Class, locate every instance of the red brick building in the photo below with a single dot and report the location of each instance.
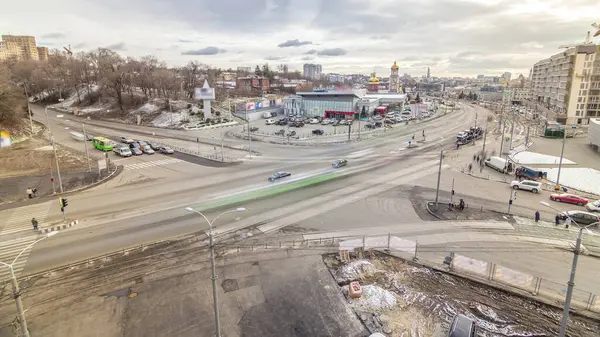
(253, 83)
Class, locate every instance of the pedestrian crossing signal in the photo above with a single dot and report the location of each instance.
(63, 203)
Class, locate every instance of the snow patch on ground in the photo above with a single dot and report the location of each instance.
(168, 119)
(580, 178)
(527, 157)
(354, 270)
(374, 298)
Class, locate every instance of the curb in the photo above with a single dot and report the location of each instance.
(112, 175)
(58, 227)
(430, 211)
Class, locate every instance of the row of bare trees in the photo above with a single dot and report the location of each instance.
(104, 72)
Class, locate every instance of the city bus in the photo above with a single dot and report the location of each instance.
(102, 144)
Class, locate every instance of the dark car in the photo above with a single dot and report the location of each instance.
(153, 146)
(339, 163)
(166, 150)
(253, 129)
(297, 124)
(580, 217)
(462, 326)
(291, 133)
(136, 151)
(318, 132)
(281, 132)
(89, 137)
(135, 145)
(279, 175)
(282, 121)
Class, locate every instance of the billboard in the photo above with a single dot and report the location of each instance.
(266, 103)
(258, 105)
(204, 93)
(4, 138)
(249, 106)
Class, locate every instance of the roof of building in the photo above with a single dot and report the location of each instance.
(328, 93)
(395, 66)
(385, 96)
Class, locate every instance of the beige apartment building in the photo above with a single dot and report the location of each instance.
(568, 83)
(20, 47)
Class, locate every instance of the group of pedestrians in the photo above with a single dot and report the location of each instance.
(478, 159)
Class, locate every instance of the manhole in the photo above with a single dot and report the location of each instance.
(229, 285)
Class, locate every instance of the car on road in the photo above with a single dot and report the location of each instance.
(147, 150)
(339, 163)
(270, 122)
(281, 132)
(153, 146)
(279, 175)
(580, 217)
(291, 133)
(318, 132)
(166, 150)
(527, 185)
(593, 206)
(569, 198)
(122, 150)
(462, 326)
(253, 129)
(127, 140)
(136, 151)
(89, 137)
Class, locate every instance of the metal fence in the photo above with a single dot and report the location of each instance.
(214, 156)
(481, 271)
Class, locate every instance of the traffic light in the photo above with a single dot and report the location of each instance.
(63, 202)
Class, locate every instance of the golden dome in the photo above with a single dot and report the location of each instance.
(395, 66)
(373, 79)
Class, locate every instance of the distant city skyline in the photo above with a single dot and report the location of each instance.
(453, 38)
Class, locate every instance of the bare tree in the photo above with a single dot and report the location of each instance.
(111, 68)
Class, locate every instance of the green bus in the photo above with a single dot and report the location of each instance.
(102, 144)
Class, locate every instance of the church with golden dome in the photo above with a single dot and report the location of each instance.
(394, 79)
(373, 84)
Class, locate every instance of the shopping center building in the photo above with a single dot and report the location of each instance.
(330, 104)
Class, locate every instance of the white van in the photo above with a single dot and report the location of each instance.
(497, 163)
(122, 151)
(77, 135)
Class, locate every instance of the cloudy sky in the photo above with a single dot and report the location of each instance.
(453, 37)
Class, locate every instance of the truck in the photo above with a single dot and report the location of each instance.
(529, 173)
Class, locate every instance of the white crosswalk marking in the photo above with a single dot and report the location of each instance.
(19, 219)
(147, 164)
(9, 249)
(359, 154)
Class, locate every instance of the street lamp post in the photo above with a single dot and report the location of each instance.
(15, 285)
(437, 190)
(212, 263)
(571, 283)
(562, 152)
(54, 148)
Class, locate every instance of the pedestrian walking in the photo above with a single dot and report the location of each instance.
(29, 192)
(474, 156)
(413, 138)
(34, 222)
(470, 168)
(537, 216)
(556, 220)
(457, 145)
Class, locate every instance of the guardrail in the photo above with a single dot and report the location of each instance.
(214, 157)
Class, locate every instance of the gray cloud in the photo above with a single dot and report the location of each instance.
(380, 37)
(332, 52)
(274, 58)
(311, 52)
(204, 51)
(50, 36)
(80, 45)
(294, 43)
(308, 58)
(117, 46)
(185, 41)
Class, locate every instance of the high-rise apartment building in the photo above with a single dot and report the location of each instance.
(312, 71)
(42, 53)
(506, 76)
(568, 83)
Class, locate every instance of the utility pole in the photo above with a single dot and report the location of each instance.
(54, 148)
(562, 151)
(87, 154)
(483, 150)
(437, 190)
(475, 130)
(512, 130)
(502, 138)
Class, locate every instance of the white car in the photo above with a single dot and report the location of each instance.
(527, 185)
(270, 122)
(593, 206)
(314, 121)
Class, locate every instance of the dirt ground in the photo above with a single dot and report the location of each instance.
(426, 301)
(29, 163)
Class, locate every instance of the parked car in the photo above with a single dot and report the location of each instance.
(314, 121)
(326, 121)
(136, 151)
(318, 132)
(291, 133)
(593, 206)
(462, 326)
(389, 121)
(153, 146)
(142, 144)
(282, 121)
(270, 122)
(279, 175)
(580, 217)
(127, 140)
(147, 149)
(370, 126)
(569, 198)
(527, 185)
(339, 163)
(166, 150)
(134, 145)
(297, 124)
(497, 163)
(253, 129)
(281, 132)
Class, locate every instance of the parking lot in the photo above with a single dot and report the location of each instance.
(303, 128)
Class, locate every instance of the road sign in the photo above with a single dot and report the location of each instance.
(101, 164)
